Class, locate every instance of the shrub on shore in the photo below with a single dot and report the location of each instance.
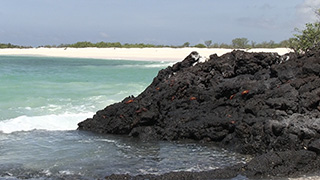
(308, 38)
(9, 45)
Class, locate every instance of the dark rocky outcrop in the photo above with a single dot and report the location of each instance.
(253, 103)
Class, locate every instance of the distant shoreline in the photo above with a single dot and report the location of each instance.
(138, 54)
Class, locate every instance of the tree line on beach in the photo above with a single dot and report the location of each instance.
(9, 45)
(296, 43)
(237, 43)
(242, 43)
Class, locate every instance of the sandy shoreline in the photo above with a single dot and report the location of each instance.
(141, 54)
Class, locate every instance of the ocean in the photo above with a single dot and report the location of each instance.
(42, 99)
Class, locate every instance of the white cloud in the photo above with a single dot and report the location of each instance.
(306, 11)
(104, 35)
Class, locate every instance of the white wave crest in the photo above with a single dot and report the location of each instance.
(161, 65)
(61, 122)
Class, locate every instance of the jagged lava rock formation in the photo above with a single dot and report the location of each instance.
(253, 103)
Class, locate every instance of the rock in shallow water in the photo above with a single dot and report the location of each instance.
(253, 103)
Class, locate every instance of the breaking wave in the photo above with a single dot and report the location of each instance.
(61, 122)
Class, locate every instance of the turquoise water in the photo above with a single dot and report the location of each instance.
(34, 86)
(43, 98)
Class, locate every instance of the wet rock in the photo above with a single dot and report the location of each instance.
(285, 163)
(315, 146)
(145, 133)
(253, 103)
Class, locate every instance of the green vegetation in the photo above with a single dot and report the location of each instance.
(243, 43)
(108, 45)
(208, 43)
(237, 43)
(3, 46)
(200, 46)
(240, 43)
(186, 44)
(307, 38)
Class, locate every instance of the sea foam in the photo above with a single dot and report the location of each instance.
(61, 122)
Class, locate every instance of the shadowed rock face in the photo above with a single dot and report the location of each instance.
(250, 102)
(253, 101)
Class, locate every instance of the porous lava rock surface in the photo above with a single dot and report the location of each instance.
(261, 104)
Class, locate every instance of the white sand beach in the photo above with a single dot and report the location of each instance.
(142, 54)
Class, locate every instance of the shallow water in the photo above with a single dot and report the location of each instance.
(41, 101)
(54, 154)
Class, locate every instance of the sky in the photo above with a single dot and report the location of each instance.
(161, 22)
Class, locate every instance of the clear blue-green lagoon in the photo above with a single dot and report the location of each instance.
(43, 98)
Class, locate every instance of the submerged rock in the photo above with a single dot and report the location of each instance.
(253, 103)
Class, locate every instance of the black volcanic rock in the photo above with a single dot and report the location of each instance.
(253, 103)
